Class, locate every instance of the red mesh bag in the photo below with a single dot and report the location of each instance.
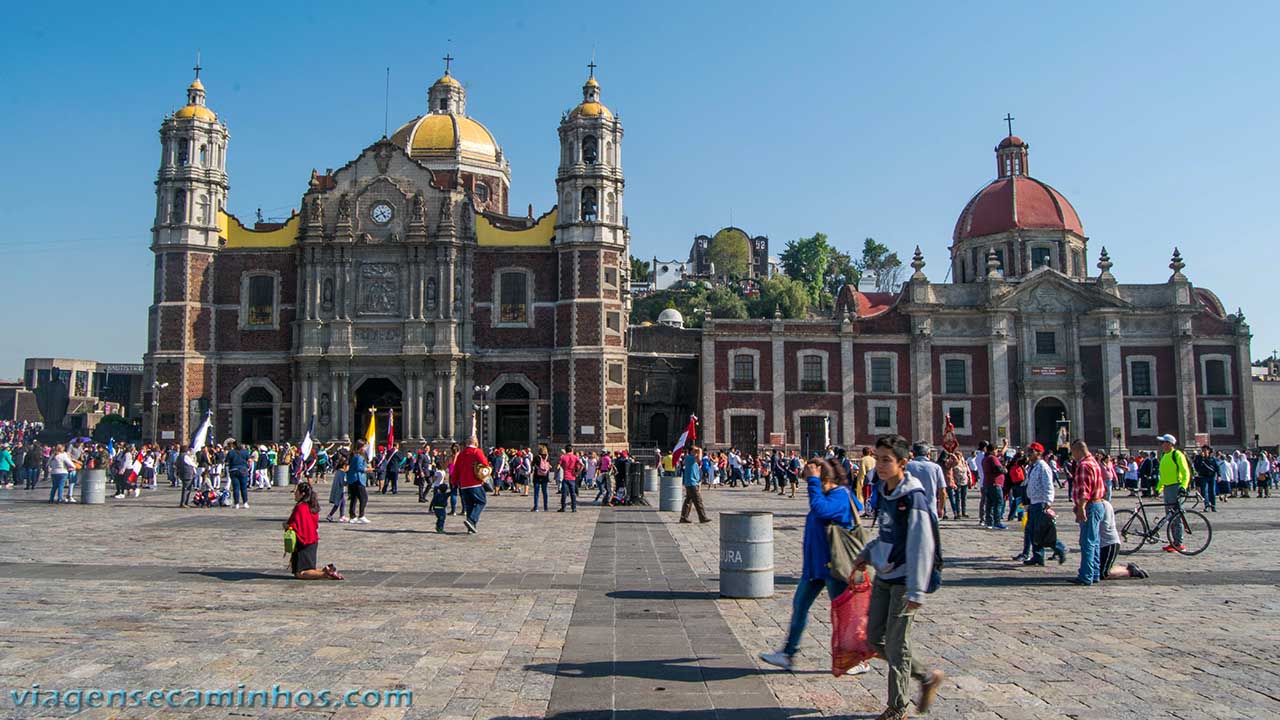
(849, 644)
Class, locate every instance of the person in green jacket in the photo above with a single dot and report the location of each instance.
(6, 467)
(1175, 475)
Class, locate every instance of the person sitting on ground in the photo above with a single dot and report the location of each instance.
(829, 502)
(305, 522)
(1109, 538)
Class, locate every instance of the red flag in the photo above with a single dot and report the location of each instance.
(949, 442)
(391, 428)
(689, 435)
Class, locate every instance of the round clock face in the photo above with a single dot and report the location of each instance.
(381, 213)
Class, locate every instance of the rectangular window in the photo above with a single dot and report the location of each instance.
(884, 417)
(1143, 416)
(881, 375)
(513, 298)
(957, 416)
(811, 375)
(613, 321)
(262, 299)
(1141, 370)
(1215, 377)
(744, 372)
(1040, 256)
(955, 380)
(615, 373)
(615, 418)
(1218, 418)
(611, 276)
(1046, 343)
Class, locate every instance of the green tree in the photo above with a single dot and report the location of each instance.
(788, 296)
(881, 264)
(725, 303)
(805, 260)
(639, 270)
(730, 251)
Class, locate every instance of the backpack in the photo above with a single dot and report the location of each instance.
(900, 508)
(544, 467)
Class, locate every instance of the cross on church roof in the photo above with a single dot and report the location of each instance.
(592, 67)
(1009, 119)
(447, 60)
(197, 67)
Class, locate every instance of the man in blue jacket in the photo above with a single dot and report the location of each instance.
(829, 502)
(691, 477)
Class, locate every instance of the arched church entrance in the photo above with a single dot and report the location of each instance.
(513, 416)
(257, 413)
(1048, 412)
(658, 430)
(377, 396)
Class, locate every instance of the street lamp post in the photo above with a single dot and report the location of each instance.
(481, 407)
(156, 387)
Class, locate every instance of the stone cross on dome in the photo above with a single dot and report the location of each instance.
(1009, 119)
(448, 59)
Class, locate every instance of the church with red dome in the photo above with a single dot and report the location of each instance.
(1032, 337)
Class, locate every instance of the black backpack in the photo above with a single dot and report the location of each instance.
(900, 509)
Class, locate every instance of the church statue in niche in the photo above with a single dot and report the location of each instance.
(344, 209)
(431, 295)
(380, 289)
(430, 411)
(326, 295)
(325, 409)
(457, 294)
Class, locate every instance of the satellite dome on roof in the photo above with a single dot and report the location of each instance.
(671, 317)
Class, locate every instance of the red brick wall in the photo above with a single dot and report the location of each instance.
(589, 323)
(588, 378)
(791, 360)
(588, 274)
(724, 370)
(979, 397)
(541, 335)
(1096, 432)
(541, 263)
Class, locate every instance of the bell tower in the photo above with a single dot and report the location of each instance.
(191, 191)
(592, 243)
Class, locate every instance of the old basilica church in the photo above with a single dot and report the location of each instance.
(402, 285)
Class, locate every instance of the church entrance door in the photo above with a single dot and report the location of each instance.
(659, 432)
(513, 417)
(1048, 412)
(378, 396)
(257, 412)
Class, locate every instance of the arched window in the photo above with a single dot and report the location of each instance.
(608, 154)
(590, 149)
(204, 156)
(204, 209)
(482, 192)
(589, 208)
(179, 206)
(612, 207)
(184, 152)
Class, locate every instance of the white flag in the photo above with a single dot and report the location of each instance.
(202, 434)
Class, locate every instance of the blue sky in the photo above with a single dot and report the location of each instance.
(1156, 119)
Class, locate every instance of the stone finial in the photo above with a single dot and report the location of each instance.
(993, 264)
(1176, 264)
(1239, 314)
(917, 264)
(1104, 265)
(777, 312)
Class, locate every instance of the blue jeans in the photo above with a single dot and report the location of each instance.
(70, 490)
(806, 592)
(603, 491)
(473, 500)
(55, 492)
(540, 486)
(239, 488)
(1209, 488)
(995, 505)
(1035, 515)
(1089, 547)
(569, 491)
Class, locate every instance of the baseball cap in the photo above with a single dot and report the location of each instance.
(1168, 438)
(1036, 446)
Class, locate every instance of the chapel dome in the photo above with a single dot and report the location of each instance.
(437, 135)
(591, 107)
(1015, 200)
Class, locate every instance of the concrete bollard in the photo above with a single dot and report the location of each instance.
(93, 486)
(671, 494)
(746, 554)
(280, 476)
(651, 480)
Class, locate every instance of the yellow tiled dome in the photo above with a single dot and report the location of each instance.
(444, 134)
(199, 112)
(591, 109)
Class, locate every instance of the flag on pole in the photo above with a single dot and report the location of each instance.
(201, 437)
(949, 442)
(308, 443)
(826, 433)
(391, 428)
(371, 437)
(689, 435)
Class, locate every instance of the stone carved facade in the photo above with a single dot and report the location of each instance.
(400, 286)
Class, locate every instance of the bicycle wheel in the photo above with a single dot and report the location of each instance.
(1196, 532)
(1133, 531)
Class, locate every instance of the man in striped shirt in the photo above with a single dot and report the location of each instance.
(1087, 492)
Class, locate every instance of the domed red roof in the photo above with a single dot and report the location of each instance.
(1016, 202)
(1011, 141)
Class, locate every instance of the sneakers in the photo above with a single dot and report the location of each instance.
(777, 659)
(929, 690)
(236, 506)
(245, 506)
(471, 527)
(1020, 557)
(999, 526)
(859, 669)
(1137, 572)
(1061, 556)
(1175, 548)
(342, 518)
(118, 496)
(891, 714)
(71, 499)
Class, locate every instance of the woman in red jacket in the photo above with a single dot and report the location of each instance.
(305, 522)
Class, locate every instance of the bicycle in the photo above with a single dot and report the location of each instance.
(1136, 530)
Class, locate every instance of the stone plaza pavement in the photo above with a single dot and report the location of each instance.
(601, 614)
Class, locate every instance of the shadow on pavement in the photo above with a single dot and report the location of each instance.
(236, 575)
(675, 670)
(759, 713)
(661, 595)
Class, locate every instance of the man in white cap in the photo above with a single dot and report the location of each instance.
(1175, 476)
